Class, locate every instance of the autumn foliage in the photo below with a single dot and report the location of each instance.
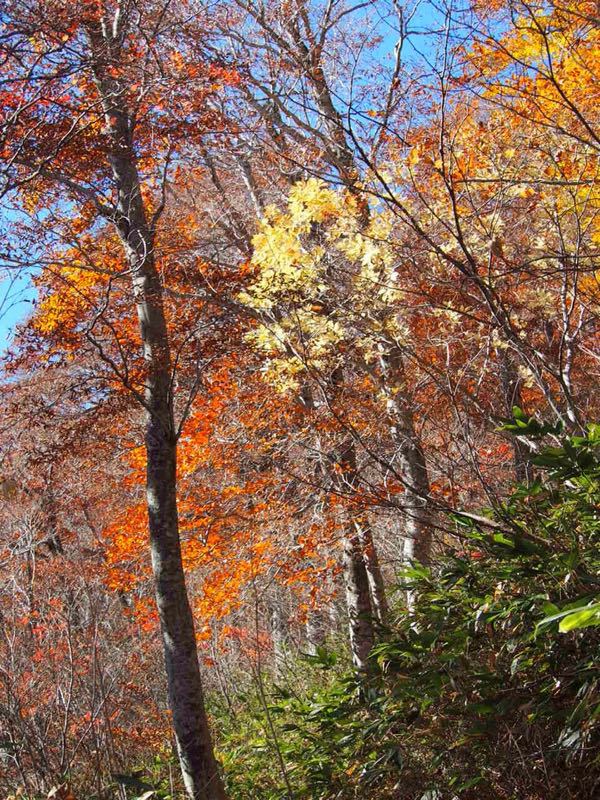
(295, 265)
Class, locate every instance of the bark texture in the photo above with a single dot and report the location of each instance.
(357, 590)
(511, 387)
(279, 634)
(315, 631)
(379, 602)
(411, 458)
(358, 602)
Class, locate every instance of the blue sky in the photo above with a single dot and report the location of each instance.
(16, 296)
(17, 292)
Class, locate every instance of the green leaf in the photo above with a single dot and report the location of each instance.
(518, 413)
(586, 618)
(500, 538)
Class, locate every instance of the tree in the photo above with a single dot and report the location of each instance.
(91, 75)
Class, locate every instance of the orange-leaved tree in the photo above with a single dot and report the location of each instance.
(89, 135)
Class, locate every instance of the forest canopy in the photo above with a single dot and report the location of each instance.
(300, 440)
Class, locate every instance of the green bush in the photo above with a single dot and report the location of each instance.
(489, 688)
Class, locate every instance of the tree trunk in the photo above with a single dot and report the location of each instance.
(279, 635)
(315, 631)
(358, 601)
(418, 522)
(198, 765)
(511, 388)
(379, 602)
(339, 467)
(356, 579)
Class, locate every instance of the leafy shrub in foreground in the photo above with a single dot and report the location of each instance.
(488, 689)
